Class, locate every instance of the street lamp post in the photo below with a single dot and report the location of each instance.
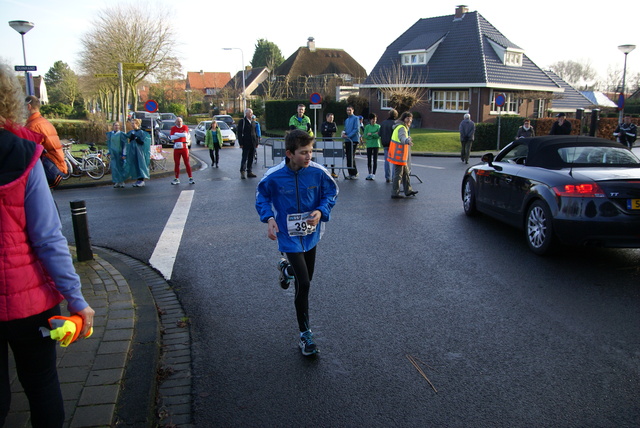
(626, 50)
(244, 89)
(23, 28)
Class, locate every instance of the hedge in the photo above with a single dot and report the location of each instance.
(487, 133)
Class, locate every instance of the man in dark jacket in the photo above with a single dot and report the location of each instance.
(328, 130)
(248, 141)
(561, 126)
(467, 133)
(626, 132)
(386, 129)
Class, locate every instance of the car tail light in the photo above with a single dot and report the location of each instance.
(583, 190)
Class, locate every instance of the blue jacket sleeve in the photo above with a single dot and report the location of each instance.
(263, 201)
(50, 245)
(329, 196)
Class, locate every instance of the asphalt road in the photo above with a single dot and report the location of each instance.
(506, 338)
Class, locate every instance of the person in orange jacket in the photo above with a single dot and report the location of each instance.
(39, 124)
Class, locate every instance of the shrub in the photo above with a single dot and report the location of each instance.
(56, 110)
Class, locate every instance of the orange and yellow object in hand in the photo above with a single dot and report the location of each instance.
(65, 329)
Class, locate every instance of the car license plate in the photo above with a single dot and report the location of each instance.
(633, 204)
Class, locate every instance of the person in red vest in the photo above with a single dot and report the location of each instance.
(37, 269)
(400, 156)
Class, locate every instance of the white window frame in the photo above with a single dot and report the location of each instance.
(513, 58)
(450, 101)
(414, 57)
(511, 105)
(384, 101)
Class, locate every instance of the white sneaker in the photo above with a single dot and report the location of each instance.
(139, 183)
(175, 181)
(191, 180)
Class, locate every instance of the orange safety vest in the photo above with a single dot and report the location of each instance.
(398, 153)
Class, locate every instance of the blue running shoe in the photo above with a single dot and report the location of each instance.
(285, 278)
(307, 345)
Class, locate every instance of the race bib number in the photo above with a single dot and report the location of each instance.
(177, 145)
(297, 224)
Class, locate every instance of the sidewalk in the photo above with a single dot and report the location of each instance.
(135, 370)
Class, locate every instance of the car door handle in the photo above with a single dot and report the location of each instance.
(508, 179)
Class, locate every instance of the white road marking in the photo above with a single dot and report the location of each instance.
(164, 255)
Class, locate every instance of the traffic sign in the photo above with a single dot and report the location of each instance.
(315, 106)
(106, 75)
(500, 100)
(26, 68)
(133, 66)
(315, 98)
(151, 106)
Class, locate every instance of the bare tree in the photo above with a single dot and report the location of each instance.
(128, 33)
(578, 73)
(613, 79)
(399, 84)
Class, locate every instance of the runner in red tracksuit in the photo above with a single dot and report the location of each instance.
(179, 135)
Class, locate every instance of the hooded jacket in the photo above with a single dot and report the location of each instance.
(36, 270)
(283, 191)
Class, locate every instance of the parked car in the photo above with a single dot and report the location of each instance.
(168, 116)
(165, 133)
(149, 122)
(228, 136)
(228, 120)
(560, 189)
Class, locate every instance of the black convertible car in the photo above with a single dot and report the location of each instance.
(570, 189)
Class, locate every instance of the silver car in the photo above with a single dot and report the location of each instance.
(228, 136)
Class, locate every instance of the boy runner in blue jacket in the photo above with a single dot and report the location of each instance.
(295, 198)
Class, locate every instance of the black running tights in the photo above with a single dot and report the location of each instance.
(303, 265)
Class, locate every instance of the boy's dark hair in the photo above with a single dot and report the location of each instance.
(372, 116)
(296, 139)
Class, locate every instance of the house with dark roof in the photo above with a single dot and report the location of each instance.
(310, 69)
(458, 64)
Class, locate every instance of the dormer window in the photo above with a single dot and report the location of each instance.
(414, 58)
(511, 57)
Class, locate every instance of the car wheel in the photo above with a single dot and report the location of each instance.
(469, 198)
(539, 228)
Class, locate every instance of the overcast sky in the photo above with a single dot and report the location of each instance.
(548, 31)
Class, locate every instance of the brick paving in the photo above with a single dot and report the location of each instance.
(135, 307)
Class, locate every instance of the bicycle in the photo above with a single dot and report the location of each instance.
(90, 163)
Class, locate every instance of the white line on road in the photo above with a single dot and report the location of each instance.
(164, 255)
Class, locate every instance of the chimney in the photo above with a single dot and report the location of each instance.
(460, 11)
(311, 44)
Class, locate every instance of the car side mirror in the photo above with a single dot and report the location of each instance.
(488, 158)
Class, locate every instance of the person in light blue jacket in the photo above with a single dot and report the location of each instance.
(117, 145)
(295, 199)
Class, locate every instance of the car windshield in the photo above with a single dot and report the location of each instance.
(598, 156)
(222, 125)
(167, 125)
